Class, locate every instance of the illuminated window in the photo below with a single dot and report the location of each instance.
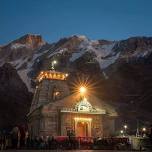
(56, 94)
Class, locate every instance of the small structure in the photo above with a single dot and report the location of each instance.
(57, 112)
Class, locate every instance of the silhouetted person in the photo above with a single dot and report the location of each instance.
(49, 142)
(15, 137)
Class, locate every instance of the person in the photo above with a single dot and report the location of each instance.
(35, 142)
(41, 142)
(28, 142)
(150, 135)
(5, 141)
(15, 137)
(2, 140)
(22, 136)
(49, 141)
(53, 143)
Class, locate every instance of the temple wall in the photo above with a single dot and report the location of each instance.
(34, 127)
(45, 90)
(43, 93)
(46, 118)
(55, 123)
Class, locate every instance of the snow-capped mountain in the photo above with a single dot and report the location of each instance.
(117, 64)
(30, 51)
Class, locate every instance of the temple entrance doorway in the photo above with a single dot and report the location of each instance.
(83, 127)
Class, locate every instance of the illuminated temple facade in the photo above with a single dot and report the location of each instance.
(57, 112)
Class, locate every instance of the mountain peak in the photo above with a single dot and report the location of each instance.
(79, 37)
(32, 40)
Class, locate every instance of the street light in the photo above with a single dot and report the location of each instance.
(144, 131)
(122, 132)
(125, 127)
(53, 64)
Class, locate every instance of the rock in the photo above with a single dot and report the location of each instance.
(14, 97)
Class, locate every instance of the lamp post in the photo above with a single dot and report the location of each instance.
(53, 63)
(125, 127)
(144, 132)
(122, 133)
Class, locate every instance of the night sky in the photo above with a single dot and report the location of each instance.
(54, 19)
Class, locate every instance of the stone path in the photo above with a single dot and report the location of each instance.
(66, 151)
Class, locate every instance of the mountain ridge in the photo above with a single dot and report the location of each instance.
(116, 66)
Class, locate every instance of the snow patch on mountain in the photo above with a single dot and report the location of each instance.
(19, 46)
(82, 37)
(38, 54)
(104, 50)
(76, 55)
(60, 51)
(104, 63)
(18, 63)
(25, 78)
(105, 55)
(141, 54)
(101, 51)
(83, 47)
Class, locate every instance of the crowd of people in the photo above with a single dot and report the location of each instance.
(15, 140)
(18, 138)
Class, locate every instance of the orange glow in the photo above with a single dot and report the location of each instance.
(82, 122)
(52, 75)
(83, 90)
(57, 93)
(82, 119)
(83, 81)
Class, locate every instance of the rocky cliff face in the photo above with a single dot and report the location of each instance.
(21, 48)
(14, 97)
(121, 70)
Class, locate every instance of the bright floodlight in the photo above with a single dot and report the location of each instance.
(54, 62)
(83, 90)
(121, 131)
(144, 129)
(125, 126)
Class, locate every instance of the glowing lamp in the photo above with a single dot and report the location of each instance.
(121, 131)
(82, 122)
(82, 90)
(82, 119)
(54, 62)
(143, 129)
(125, 126)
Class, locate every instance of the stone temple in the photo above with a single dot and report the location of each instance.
(55, 111)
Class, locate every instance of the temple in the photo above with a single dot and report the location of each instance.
(55, 111)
